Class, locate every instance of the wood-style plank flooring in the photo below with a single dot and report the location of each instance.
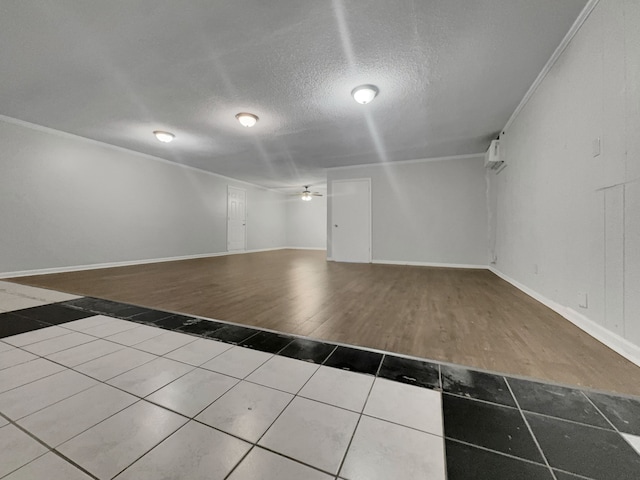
(468, 317)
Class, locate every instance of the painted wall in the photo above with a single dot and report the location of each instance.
(425, 212)
(307, 222)
(565, 222)
(67, 201)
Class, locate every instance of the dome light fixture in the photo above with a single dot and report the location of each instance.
(364, 93)
(247, 119)
(164, 137)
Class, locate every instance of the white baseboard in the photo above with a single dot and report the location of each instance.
(430, 264)
(612, 340)
(305, 248)
(96, 266)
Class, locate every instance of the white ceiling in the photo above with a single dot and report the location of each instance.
(450, 73)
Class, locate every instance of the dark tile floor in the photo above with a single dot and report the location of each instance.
(411, 372)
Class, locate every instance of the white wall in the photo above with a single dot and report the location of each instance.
(67, 201)
(425, 212)
(307, 222)
(557, 209)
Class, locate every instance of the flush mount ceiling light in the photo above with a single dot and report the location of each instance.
(247, 119)
(364, 93)
(164, 137)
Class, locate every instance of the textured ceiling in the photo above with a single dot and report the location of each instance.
(450, 73)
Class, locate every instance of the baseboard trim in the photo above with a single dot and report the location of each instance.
(615, 342)
(96, 266)
(431, 264)
(305, 248)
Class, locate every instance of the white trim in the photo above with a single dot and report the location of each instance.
(584, 15)
(615, 342)
(404, 162)
(305, 248)
(60, 133)
(430, 264)
(96, 266)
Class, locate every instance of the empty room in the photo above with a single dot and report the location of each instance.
(331, 240)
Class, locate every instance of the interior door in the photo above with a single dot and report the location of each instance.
(236, 219)
(351, 220)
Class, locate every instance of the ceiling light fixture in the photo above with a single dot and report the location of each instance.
(164, 137)
(364, 93)
(306, 196)
(247, 119)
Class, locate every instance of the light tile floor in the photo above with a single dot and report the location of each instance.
(134, 414)
(102, 397)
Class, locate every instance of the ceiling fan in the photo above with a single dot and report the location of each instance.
(306, 194)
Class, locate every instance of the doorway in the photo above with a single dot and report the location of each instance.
(236, 219)
(351, 220)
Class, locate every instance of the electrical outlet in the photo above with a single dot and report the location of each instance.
(596, 147)
(582, 300)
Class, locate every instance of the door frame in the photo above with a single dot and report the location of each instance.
(363, 179)
(244, 246)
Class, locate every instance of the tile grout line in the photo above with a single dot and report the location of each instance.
(329, 356)
(153, 447)
(600, 412)
(577, 475)
(255, 444)
(297, 395)
(179, 413)
(138, 400)
(104, 382)
(68, 332)
(280, 454)
(544, 457)
(545, 415)
(486, 449)
(57, 401)
(609, 421)
(480, 400)
(444, 443)
(242, 459)
(44, 444)
(364, 406)
(32, 381)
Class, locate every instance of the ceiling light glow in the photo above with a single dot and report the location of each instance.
(306, 196)
(247, 119)
(364, 93)
(164, 137)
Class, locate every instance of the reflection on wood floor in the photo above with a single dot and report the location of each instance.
(468, 317)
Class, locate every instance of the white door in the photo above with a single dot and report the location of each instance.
(236, 219)
(351, 220)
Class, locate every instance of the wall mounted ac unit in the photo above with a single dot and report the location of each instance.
(492, 158)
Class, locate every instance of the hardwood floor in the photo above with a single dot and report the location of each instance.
(468, 317)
